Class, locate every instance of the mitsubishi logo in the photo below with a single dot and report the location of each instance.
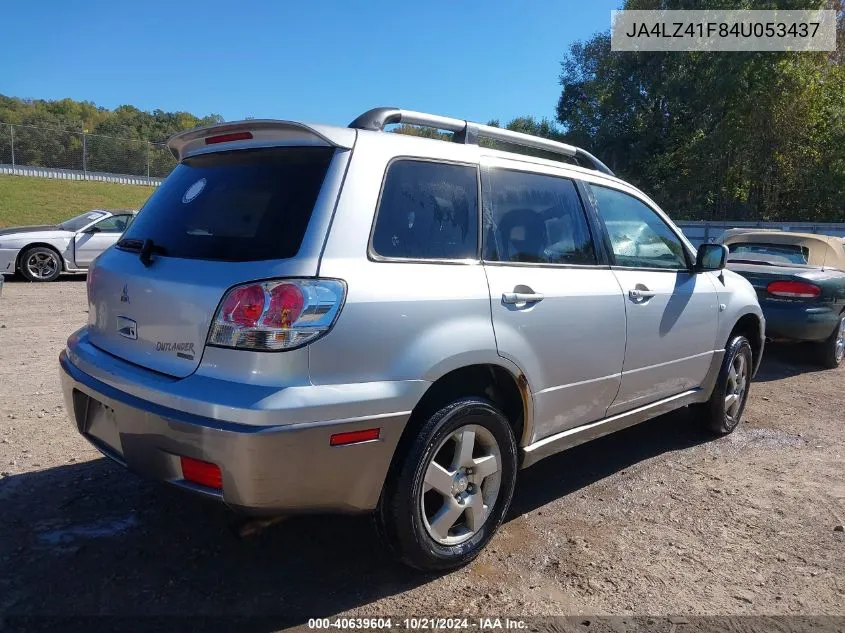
(124, 297)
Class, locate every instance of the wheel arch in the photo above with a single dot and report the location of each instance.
(23, 250)
(500, 382)
(750, 325)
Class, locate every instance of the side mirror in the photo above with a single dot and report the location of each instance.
(92, 229)
(711, 257)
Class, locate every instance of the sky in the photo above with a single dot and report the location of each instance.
(320, 61)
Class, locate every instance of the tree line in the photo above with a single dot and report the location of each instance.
(50, 134)
(741, 136)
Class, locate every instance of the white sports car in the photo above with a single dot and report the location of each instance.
(42, 253)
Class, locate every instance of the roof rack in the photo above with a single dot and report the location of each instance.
(469, 132)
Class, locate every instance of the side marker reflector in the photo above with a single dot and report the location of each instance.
(203, 473)
(354, 437)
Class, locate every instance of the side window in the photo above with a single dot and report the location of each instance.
(638, 236)
(428, 211)
(534, 218)
(114, 224)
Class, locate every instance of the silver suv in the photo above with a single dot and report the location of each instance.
(306, 318)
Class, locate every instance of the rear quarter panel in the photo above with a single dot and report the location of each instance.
(402, 320)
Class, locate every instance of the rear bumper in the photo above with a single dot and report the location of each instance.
(8, 257)
(799, 322)
(266, 470)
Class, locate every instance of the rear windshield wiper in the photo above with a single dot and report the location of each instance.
(145, 249)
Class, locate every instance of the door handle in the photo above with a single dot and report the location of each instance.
(522, 297)
(641, 293)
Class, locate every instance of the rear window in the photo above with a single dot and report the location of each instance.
(245, 205)
(775, 253)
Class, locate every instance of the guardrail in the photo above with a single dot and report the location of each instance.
(80, 155)
(77, 174)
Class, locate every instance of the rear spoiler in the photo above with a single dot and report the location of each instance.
(258, 133)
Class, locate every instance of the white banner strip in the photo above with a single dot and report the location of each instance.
(723, 30)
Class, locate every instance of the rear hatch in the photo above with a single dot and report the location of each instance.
(220, 219)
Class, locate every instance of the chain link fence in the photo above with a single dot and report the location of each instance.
(51, 152)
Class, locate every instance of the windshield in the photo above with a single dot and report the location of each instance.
(775, 253)
(74, 224)
(245, 205)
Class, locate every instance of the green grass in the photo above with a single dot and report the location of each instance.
(27, 200)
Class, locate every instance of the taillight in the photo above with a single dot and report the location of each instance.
(89, 280)
(277, 315)
(244, 306)
(794, 290)
(286, 305)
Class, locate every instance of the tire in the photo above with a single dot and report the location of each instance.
(40, 263)
(832, 351)
(721, 414)
(436, 531)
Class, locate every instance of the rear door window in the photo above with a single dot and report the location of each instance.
(427, 210)
(244, 205)
(534, 218)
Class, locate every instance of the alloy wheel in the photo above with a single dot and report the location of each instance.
(737, 386)
(839, 346)
(42, 265)
(461, 485)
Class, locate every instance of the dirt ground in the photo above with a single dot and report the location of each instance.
(659, 519)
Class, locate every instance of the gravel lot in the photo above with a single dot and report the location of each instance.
(659, 519)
